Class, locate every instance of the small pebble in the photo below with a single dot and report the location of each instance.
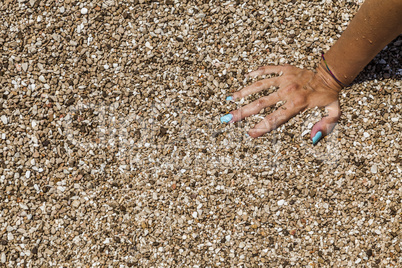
(281, 202)
(4, 119)
(76, 203)
(374, 169)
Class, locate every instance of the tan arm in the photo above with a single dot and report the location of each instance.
(376, 24)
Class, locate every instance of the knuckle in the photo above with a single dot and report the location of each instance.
(258, 84)
(238, 95)
(299, 100)
(337, 114)
(260, 103)
(291, 89)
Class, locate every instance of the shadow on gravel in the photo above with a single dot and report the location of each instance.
(387, 64)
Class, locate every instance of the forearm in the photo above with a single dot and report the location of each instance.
(376, 24)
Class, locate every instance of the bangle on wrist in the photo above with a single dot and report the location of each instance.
(329, 71)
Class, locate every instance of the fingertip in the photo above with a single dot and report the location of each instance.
(317, 137)
(226, 118)
(253, 133)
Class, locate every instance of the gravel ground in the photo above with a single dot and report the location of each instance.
(112, 153)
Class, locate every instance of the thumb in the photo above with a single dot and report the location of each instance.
(327, 123)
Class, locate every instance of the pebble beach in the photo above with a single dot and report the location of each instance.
(112, 153)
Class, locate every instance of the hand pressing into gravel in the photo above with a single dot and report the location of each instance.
(299, 89)
(373, 27)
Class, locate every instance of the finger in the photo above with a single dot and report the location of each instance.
(255, 107)
(327, 123)
(257, 87)
(269, 69)
(274, 120)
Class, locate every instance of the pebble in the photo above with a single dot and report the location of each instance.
(24, 66)
(374, 169)
(4, 119)
(84, 11)
(10, 236)
(76, 203)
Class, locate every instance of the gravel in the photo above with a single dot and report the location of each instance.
(112, 153)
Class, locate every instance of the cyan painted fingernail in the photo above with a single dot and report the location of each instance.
(229, 98)
(226, 118)
(317, 137)
(247, 136)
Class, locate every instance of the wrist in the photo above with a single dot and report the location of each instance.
(327, 77)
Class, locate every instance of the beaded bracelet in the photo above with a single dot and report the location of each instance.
(339, 82)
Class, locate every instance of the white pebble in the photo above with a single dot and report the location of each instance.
(4, 119)
(42, 79)
(10, 236)
(25, 66)
(23, 206)
(106, 66)
(76, 203)
(3, 257)
(195, 214)
(366, 135)
(61, 188)
(374, 169)
(28, 174)
(34, 124)
(148, 45)
(281, 202)
(305, 132)
(84, 10)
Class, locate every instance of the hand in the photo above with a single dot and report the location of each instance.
(299, 89)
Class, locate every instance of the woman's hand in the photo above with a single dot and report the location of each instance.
(299, 89)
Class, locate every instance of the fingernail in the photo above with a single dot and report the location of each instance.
(247, 136)
(317, 137)
(229, 98)
(226, 118)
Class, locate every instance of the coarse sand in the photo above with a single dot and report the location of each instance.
(112, 153)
